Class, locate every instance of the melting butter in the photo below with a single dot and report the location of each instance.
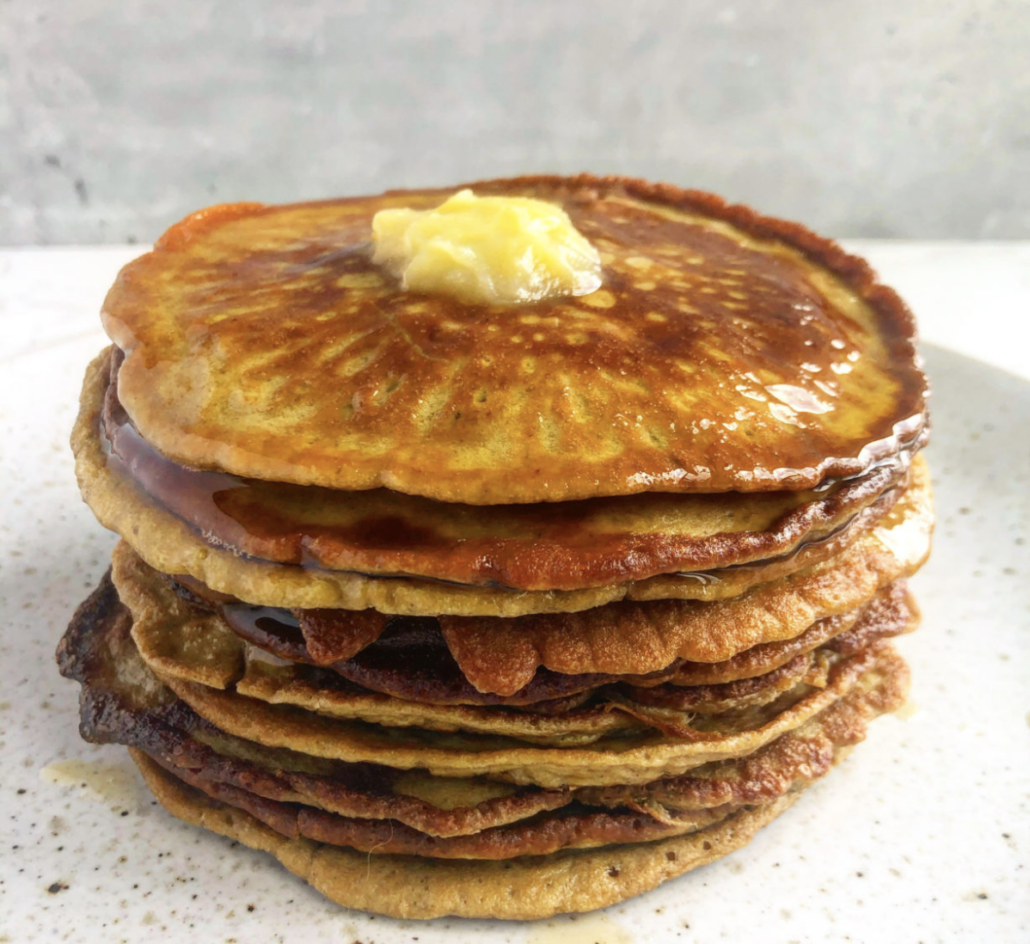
(487, 250)
(578, 929)
(115, 785)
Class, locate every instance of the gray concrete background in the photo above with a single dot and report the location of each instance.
(894, 118)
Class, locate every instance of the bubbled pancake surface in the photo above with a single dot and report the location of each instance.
(168, 543)
(724, 352)
(543, 546)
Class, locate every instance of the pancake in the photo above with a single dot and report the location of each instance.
(122, 702)
(183, 639)
(411, 659)
(564, 546)
(892, 612)
(503, 655)
(413, 887)
(610, 762)
(178, 639)
(497, 610)
(168, 544)
(572, 827)
(618, 759)
(690, 370)
(172, 544)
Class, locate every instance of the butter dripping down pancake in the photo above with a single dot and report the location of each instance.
(553, 546)
(724, 352)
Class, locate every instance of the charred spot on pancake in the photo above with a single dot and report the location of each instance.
(77, 651)
(120, 701)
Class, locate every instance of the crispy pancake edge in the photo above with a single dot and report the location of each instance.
(612, 761)
(179, 640)
(543, 834)
(409, 887)
(121, 704)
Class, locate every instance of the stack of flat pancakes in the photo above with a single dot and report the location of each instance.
(498, 610)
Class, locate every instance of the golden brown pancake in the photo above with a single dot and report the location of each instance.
(541, 548)
(413, 887)
(503, 655)
(167, 543)
(550, 546)
(724, 352)
(619, 759)
(892, 612)
(567, 828)
(497, 610)
(574, 827)
(417, 666)
(642, 637)
(181, 633)
(122, 703)
(179, 639)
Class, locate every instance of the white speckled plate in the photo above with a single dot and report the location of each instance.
(922, 835)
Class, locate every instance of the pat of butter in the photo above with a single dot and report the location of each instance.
(487, 250)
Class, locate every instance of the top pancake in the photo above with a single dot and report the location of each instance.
(724, 352)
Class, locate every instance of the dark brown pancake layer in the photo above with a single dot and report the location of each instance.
(410, 658)
(121, 702)
(364, 806)
(573, 826)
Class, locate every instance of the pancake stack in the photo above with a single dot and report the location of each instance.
(498, 610)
